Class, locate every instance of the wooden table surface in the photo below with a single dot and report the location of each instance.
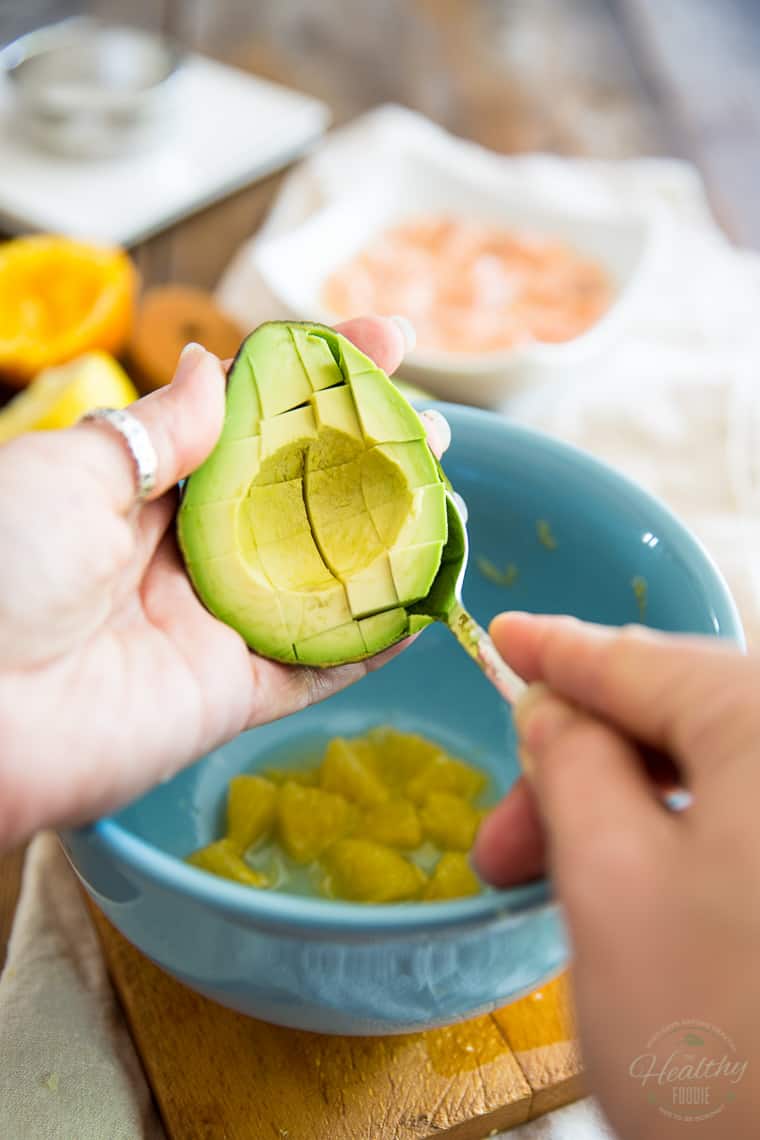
(609, 78)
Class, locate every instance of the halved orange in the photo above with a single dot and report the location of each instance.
(58, 299)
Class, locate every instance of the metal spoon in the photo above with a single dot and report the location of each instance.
(444, 603)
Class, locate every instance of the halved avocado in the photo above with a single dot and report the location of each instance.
(320, 517)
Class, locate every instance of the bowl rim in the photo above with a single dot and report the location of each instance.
(264, 908)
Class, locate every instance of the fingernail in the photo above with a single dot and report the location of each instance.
(439, 429)
(189, 358)
(407, 330)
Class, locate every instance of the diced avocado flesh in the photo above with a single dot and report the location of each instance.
(321, 513)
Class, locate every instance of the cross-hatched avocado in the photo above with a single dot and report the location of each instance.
(320, 517)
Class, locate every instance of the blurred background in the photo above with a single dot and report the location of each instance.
(173, 143)
(595, 77)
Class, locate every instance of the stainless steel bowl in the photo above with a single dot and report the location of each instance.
(91, 89)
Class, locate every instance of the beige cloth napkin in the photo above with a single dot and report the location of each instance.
(673, 403)
(68, 1069)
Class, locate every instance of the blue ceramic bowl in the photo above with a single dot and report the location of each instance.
(347, 968)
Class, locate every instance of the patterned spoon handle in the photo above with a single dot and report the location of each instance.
(476, 642)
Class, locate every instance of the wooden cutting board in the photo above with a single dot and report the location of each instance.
(217, 1075)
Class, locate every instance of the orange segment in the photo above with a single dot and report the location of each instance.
(58, 299)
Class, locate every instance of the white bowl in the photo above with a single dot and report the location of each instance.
(295, 265)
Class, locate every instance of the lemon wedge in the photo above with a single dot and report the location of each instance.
(58, 397)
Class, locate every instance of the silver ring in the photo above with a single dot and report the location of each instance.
(141, 449)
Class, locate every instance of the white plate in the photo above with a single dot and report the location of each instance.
(295, 265)
(228, 129)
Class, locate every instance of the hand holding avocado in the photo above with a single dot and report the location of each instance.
(112, 673)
